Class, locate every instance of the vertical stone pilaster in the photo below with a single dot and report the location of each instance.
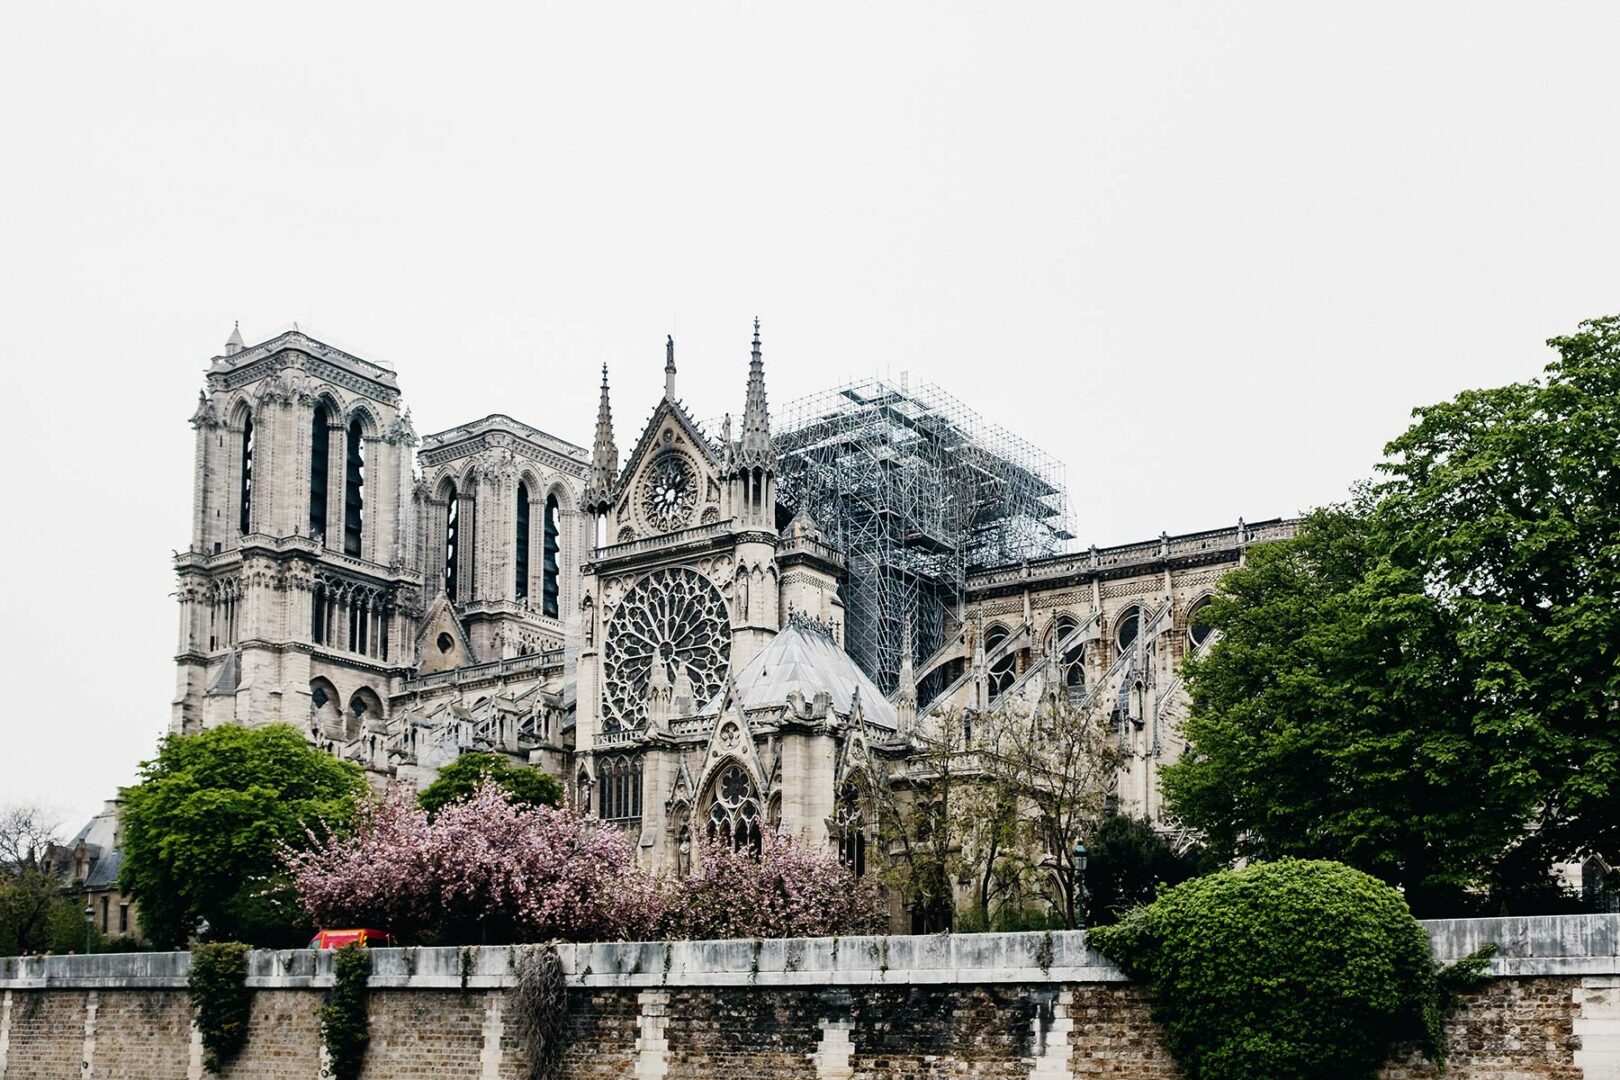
(489, 1058)
(834, 1051)
(1597, 1025)
(652, 1050)
(194, 1059)
(5, 1032)
(87, 1063)
(1050, 1037)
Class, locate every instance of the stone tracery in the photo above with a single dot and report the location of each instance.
(675, 618)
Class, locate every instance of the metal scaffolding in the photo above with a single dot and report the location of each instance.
(916, 489)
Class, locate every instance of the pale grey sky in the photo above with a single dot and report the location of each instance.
(1208, 255)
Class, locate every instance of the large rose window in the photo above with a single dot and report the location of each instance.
(675, 618)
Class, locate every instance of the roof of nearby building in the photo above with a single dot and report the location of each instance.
(803, 657)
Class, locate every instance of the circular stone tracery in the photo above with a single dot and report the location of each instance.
(676, 617)
(669, 492)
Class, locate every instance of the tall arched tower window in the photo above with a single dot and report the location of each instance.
(548, 583)
(320, 458)
(245, 491)
(452, 541)
(354, 482)
(521, 563)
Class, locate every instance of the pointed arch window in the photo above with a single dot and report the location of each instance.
(354, 483)
(245, 490)
(452, 541)
(734, 813)
(620, 780)
(320, 459)
(521, 563)
(549, 589)
(1003, 671)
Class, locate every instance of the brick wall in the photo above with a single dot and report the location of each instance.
(992, 1006)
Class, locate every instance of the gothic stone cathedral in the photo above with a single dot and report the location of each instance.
(690, 638)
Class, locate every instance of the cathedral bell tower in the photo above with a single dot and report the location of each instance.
(296, 604)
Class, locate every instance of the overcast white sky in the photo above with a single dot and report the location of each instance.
(1208, 255)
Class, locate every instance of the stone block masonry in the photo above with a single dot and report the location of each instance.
(992, 1005)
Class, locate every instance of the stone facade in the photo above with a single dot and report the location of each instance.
(660, 631)
(1020, 1005)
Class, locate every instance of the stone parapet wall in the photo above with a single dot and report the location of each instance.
(991, 1005)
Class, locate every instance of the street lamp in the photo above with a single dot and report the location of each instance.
(1077, 884)
(89, 925)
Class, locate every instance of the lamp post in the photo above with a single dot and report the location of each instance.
(89, 925)
(1077, 884)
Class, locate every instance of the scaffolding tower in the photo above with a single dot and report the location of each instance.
(916, 489)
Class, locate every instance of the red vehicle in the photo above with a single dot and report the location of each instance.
(336, 939)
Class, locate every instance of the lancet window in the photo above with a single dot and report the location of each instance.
(245, 486)
(849, 822)
(521, 561)
(320, 460)
(354, 482)
(452, 541)
(549, 586)
(1003, 671)
(619, 779)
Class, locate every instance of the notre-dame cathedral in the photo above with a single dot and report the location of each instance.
(722, 629)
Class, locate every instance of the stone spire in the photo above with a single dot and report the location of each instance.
(669, 368)
(604, 455)
(234, 344)
(905, 687)
(756, 427)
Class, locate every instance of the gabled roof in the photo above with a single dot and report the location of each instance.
(694, 432)
(805, 658)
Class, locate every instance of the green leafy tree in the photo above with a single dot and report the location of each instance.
(1510, 499)
(1422, 684)
(1291, 970)
(1334, 718)
(203, 831)
(1128, 862)
(466, 774)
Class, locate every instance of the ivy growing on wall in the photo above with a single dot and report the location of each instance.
(343, 1018)
(540, 1010)
(220, 1000)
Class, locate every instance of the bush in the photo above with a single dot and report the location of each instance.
(787, 890)
(220, 1000)
(1130, 861)
(469, 772)
(1292, 970)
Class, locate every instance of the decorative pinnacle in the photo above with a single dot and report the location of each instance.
(669, 367)
(604, 454)
(234, 343)
(756, 431)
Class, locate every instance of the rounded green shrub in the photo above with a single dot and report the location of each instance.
(1291, 970)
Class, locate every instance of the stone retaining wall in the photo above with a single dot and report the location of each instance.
(990, 1005)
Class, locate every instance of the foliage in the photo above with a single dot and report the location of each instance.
(1421, 684)
(787, 890)
(1292, 970)
(918, 818)
(31, 908)
(1053, 764)
(483, 870)
(468, 773)
(1128, 862)
(220, 1000)
(539, 1013)
(1510, 498)
(1334, 718)
(67, 926)
(27, 832)
(204, 830)
(344, 1029)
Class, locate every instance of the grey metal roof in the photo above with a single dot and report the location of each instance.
(805, 658)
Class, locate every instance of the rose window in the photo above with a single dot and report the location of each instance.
(675, 618)
(669, 492)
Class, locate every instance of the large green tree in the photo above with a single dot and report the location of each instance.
(469, 772)
(1423, 683)
(203, 830)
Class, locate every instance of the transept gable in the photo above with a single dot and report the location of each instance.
(671, 479)
(732, 742)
